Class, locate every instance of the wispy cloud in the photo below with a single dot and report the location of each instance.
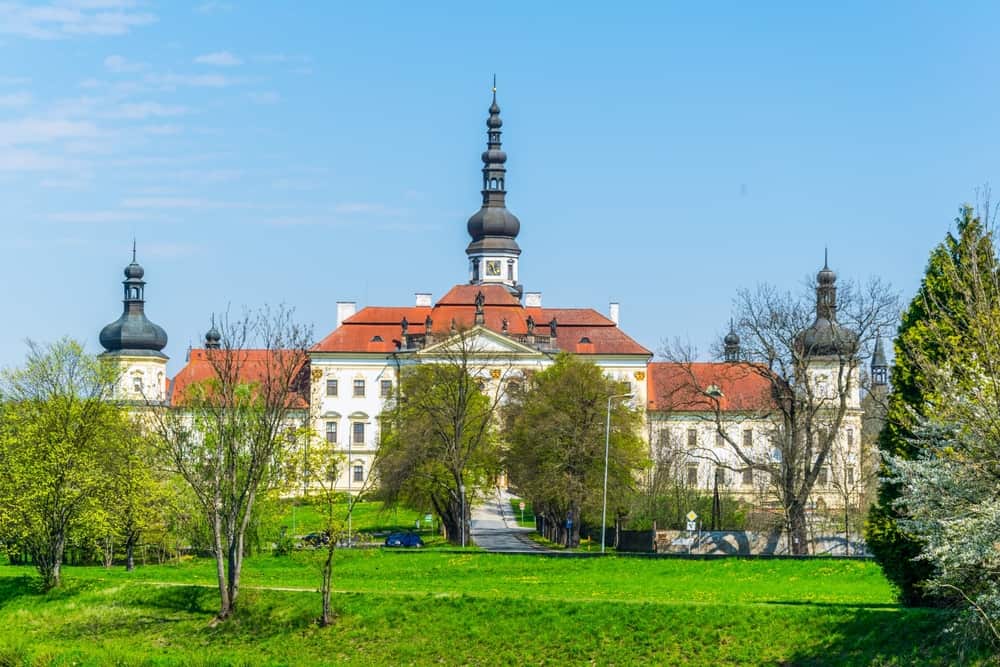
(20, 160)
(44, 130)
(180, 202)
(170, 250)
(283, 58)
(14, 80)
(59, 20)
(142, 110)
(366, 207)
(96, 216)
(214, 7)
(120, 65)
(171, 81)
(219, 59)
(265, 97)
(15, 100)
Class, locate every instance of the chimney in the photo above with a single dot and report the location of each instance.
(344, 310)
(613, 312)
(423, 299)
(532, 299)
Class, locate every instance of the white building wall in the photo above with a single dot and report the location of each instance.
(141, 379)
(345, 409)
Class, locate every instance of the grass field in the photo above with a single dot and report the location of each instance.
(446, 607)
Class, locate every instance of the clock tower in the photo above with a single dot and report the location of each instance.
(493, 252)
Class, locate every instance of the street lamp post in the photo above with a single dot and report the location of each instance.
(607, 445)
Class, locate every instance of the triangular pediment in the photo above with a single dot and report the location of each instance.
(479, 341)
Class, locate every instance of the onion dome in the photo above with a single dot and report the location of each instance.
(731, 344)
(213, 339)
(826, 337)
(133, 333)
(493, 227)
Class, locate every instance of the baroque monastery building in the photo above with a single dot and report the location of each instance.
(354, 370)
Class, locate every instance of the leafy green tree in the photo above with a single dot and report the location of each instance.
(439, 446)
(556, 442)
(137, 494)
(59, 434)
(934, 321)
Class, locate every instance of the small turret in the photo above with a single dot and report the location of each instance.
(880, 367)
(731, 344)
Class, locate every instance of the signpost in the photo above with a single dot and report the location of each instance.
(522, 511)
(692, 526)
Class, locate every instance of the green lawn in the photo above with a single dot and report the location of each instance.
(444, 607)
(369, 517)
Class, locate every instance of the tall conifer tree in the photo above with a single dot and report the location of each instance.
(895, 549)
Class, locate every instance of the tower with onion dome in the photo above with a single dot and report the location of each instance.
(493, 252)
(826, 352)
(137, 344)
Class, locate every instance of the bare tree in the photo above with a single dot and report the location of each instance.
(228, 432)
(807, 362)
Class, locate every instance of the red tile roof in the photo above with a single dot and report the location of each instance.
(680, 387)
(575, 326)
(253, 367)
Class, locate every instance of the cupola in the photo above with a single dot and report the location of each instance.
(133, 333)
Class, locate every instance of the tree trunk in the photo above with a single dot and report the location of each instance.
(48, 562)
(797, 529)
(130, 552)
(225, 603)
(327, 617)
(108, 551)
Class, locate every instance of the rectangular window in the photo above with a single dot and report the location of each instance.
(692, 471)
(331, 432)
(692, 437)
(824, 477)
(359, 388)
(720, 476)
(720, 440)
(137, 383)
(850, 476)
(748, 438)
(359, 473)
(359, 433)
(331, 387)
(386, 388)
(850, 438)
(747, 477)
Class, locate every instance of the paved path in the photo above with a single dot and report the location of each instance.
(494, 527)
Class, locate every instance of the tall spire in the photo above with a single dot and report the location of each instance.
(880, 367)
(493, 251)
(494, 158)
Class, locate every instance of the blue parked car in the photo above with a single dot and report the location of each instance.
(404, 540)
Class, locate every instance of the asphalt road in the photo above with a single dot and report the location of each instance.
(494, 528)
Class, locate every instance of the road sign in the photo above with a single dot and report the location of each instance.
(521, 505)
(691, 526)
(691, 516)
(428, 518)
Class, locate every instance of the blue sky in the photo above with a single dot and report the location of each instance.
(660, 155)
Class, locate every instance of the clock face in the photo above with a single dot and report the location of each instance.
(493, 267)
